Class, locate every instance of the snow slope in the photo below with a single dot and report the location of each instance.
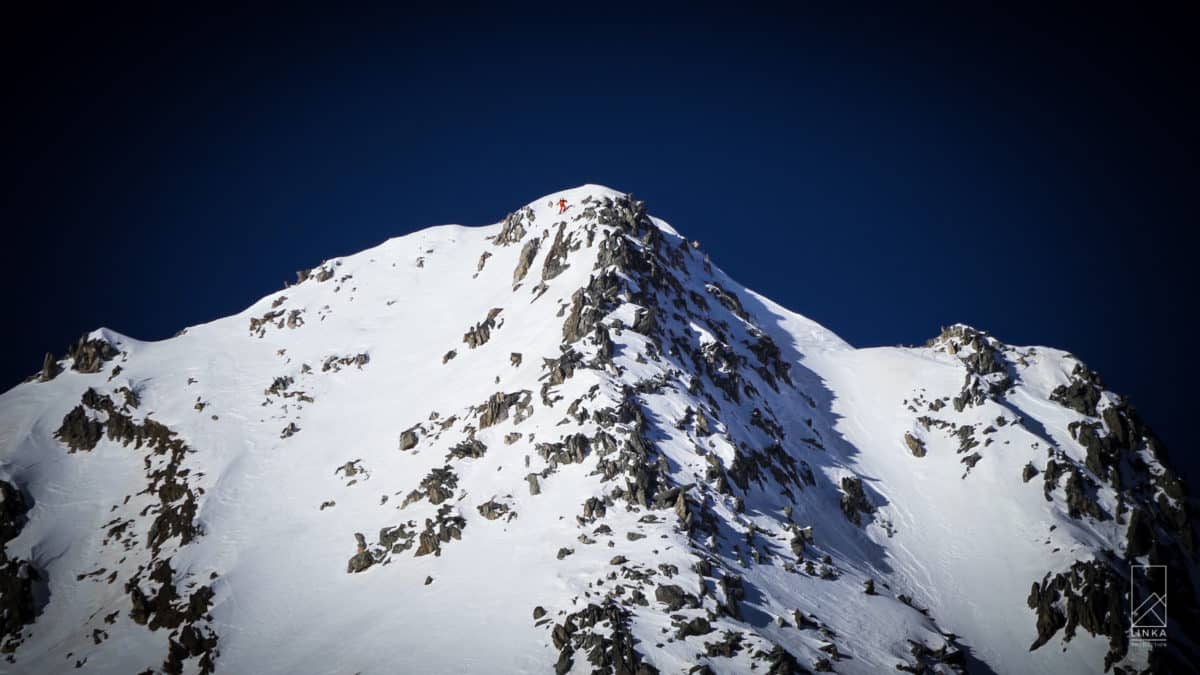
(577, 413)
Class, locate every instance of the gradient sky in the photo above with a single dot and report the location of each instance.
(883, 173)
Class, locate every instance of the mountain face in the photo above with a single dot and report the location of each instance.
(568, 442)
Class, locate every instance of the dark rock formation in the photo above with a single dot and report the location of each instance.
(481, 332)
(854, 500)
(556, 256)
(915, 445)
(362, 559)
(601, 633)
(50, 368)
(496, 409)
(1028, 472)
(514, 228)
(1083, 392)
(79, 431)
(525, 260)
(88, 355)
(1088, 595)
(409, 439)
(13, 507)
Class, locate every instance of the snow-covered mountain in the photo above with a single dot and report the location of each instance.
(569, 442)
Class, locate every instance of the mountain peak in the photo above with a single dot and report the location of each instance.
(572, 441)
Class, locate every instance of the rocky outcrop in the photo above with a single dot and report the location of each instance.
(469, 448)
(89, 355)
(1028, 472)
(513, 229)
(982, 355)
(79, 431)
(675, 598)
(556, 256)
(1089, 595)
(1082, 393)
(854, 500)
(17, 577)
(409, 438)
(445, 527)
(50, 368)
(481, 332)
(362, 559)
(321, 273)
(336, 363)
(493, 510)
(157, 604)
(17, 608)
(497, 408)
(600, 634)
(13, 507)
(525, 260)
(915, 445)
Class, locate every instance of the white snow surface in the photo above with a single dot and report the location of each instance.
(964, 546)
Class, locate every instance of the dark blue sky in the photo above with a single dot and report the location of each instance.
(883, 173)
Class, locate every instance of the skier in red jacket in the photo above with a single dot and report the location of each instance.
(562, 206)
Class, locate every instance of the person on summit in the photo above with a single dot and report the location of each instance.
(562, 206)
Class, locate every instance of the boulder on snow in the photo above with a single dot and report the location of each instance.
(50, 368)
(915, 445)
(408, 439)
(362, 559)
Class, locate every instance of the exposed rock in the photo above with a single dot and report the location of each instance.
(468, 448)
(362, 559)
(854, 500)
(1028, 472)
(697, 626)
(675, 598)
(493, 509)
(336, 363)
(915, 445)
(1080, 498)
(445, 527)
(971, 460)
(728, 646)
(481, 332)
(513, 229)
(50, 368)
(556, 256)
(408, 439)
(1088, 595)
(733, 592)
(525, 259)
(397, 539)
(1083, 392)
(562, 368)
(79, 431)
(496, 409)
(438, 485)
(13, 507)
(17, 577)
(88, 355)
